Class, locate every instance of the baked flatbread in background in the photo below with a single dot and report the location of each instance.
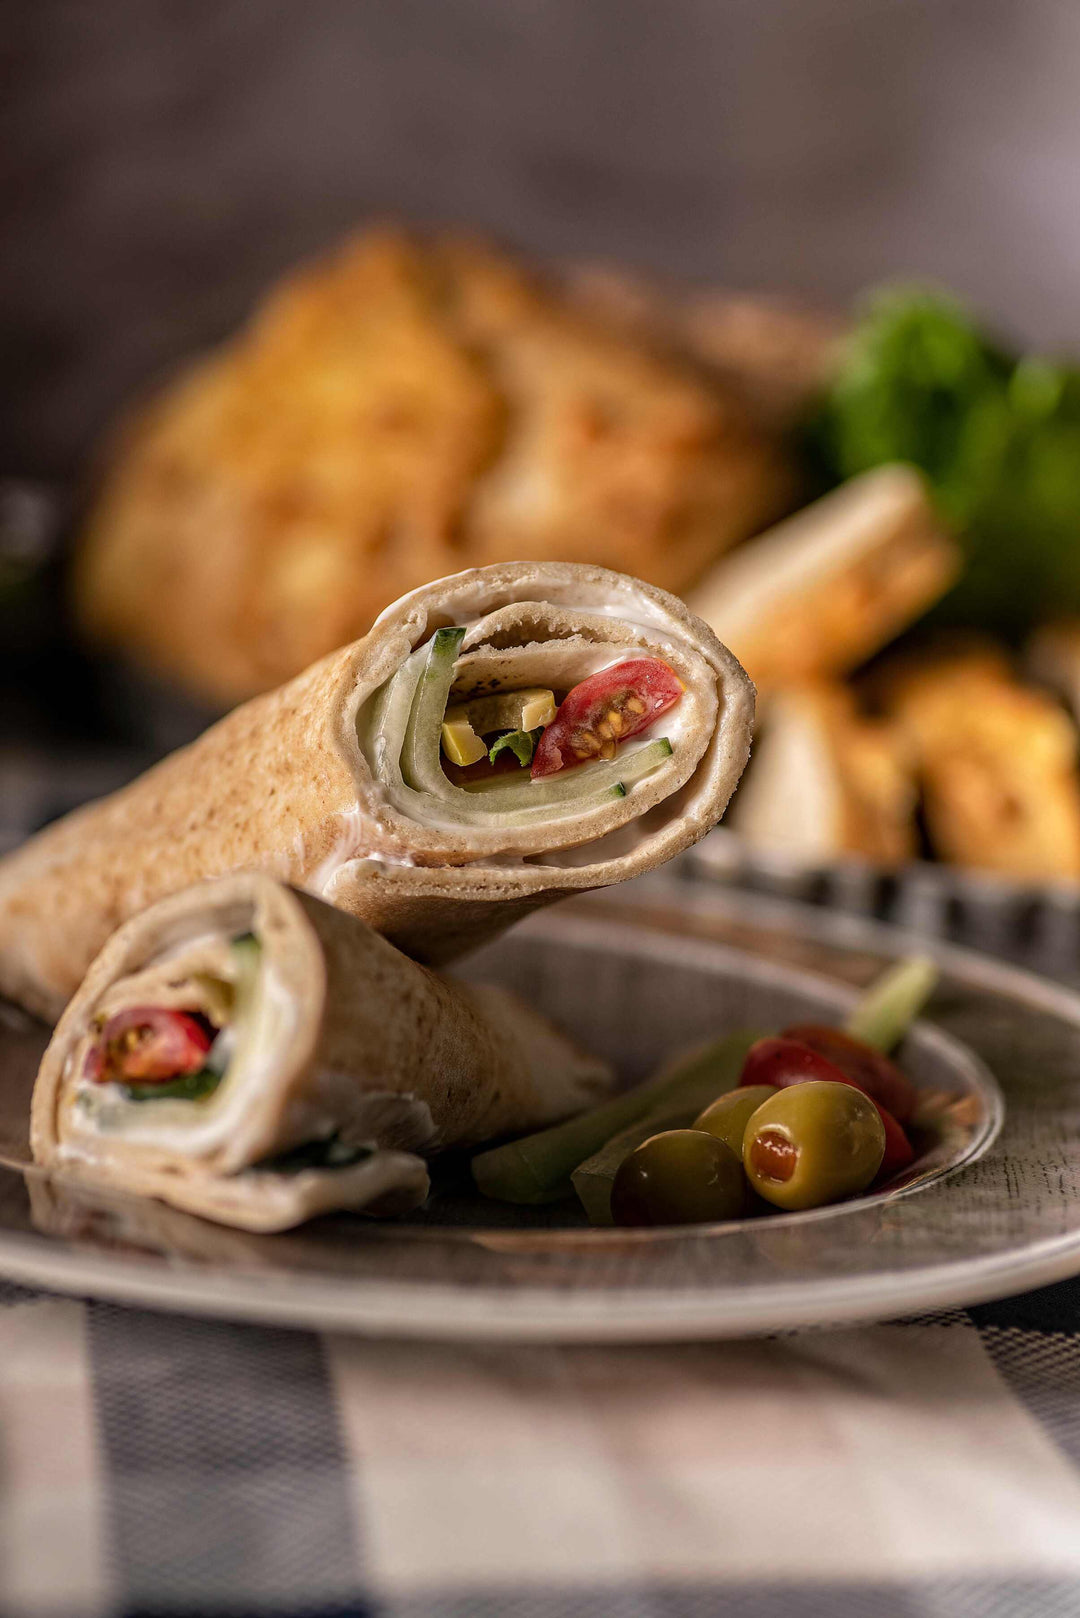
(333, 1065)
(827, 782)
(396, 411)
(826, 588)
(306, 783)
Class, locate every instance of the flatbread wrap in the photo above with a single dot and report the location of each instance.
(247, 1053)
(629, 726)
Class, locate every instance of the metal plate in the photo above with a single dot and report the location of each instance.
(638, 972)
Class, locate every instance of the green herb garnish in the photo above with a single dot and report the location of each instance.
(330, 1152)
(191, 1087)
(522, 743)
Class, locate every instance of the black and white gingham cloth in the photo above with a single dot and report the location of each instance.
(152, 1464)
(155, 1464)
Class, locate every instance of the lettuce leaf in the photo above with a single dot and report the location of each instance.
(328, 1153)
(997, 434)
(190, 1087)
(522, 743)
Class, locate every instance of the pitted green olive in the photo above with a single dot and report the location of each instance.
(728, 1116)
(679, 1177)
(812, 1144)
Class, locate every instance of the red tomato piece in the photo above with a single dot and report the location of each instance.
(879, 1077)
(150, 1045)
(604, 710)
(782, 1062)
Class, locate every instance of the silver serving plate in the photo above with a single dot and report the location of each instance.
(993, 1208)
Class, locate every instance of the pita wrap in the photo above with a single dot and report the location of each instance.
(332, 1067)
(828, 781)
(825, 589)
(333, 782)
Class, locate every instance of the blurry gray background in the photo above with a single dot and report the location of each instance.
(160, 160)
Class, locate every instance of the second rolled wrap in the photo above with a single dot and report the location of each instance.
(342, 1064)
(333, 784)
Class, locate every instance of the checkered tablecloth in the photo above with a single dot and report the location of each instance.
(152, 1464)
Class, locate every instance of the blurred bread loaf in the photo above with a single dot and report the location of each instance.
(826, 588)
(775, 352)
(392, 413)
(826, 782)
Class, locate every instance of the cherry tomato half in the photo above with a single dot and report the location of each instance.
(604, 710)
(149, 1045)
(782, 1062)
(879, 1077)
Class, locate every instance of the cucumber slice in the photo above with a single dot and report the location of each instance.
(617, 773)
(420, 762)
(892, 1002)
(537, 1168)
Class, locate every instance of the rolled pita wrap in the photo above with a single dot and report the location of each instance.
(335, 783)
(248, 1053)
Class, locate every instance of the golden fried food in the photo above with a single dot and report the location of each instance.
(393, 413)
(775, 352)
(826, 781)
(823, 590)
(997, 762)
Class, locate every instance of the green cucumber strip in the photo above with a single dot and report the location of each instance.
(593, 1179)
(522, 743)
(191, 1087)
(537, 1168)
(602, 780)
(892, 1003)
(421, 764)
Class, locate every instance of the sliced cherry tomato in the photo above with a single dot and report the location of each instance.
(604, 710)
(879, 1077)
(150, 1045)
(782, 1062)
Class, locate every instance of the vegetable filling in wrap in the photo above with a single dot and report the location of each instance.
(247, 1053)
(501, 738)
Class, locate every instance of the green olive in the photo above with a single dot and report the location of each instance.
(813, 1143)
(729, 1115)
(679, 1177)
